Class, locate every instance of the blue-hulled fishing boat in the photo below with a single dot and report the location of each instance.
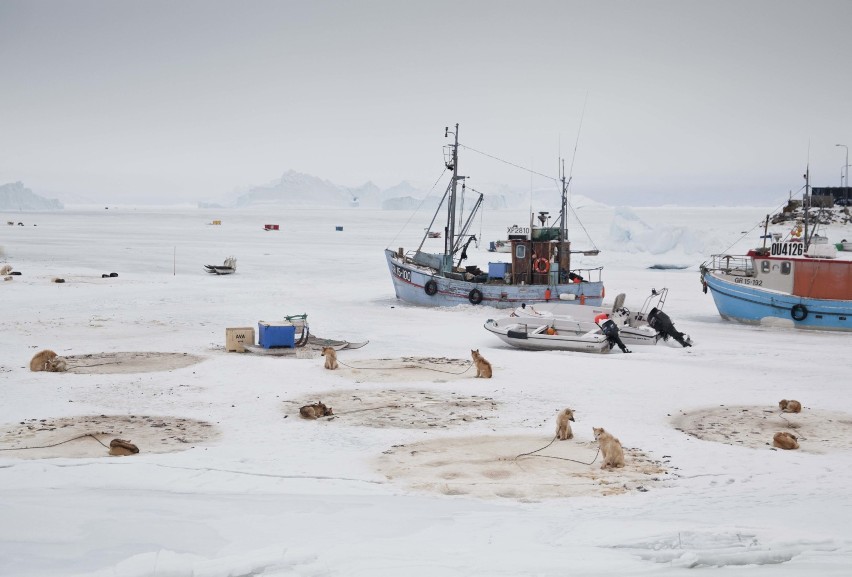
(540, 269)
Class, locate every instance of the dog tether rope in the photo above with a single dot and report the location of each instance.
(532, 453)
(54, 444)
(413, 366)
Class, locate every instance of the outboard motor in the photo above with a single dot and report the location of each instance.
(660, 322)
(610, 331)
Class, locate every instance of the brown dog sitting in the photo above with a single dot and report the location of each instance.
(611, 449)
(315, 411)
(330, 358)
(483, 367)
(563, 427)
(790, 406)
(785, 440)
(122, 448)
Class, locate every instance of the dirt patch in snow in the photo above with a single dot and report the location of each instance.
(817, 430)
(491, 467)
(89, 435)
(129, 362)
(401, 408)
(434, 369)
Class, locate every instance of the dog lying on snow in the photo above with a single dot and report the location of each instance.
(613, 454)
(790, 406)
(785, 440)
(330, 358)
(49, 361)
(563, 427)
(122, 448)
(315, 411)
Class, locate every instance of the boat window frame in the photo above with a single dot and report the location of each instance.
(520, 251)
(765, 266)
(786, 267)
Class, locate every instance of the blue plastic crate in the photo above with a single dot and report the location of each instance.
(278, 334)
(498, 269)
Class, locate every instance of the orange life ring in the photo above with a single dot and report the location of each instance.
(541, 265)
(601, 317)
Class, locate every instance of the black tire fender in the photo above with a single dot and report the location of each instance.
(474, 296)
(799, 312)
(431, 287)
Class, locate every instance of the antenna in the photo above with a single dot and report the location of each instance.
(577, 141)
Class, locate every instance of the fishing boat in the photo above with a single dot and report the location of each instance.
(794, 282)
(540, 269)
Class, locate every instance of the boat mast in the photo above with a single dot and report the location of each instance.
(807, 202)
(564, 245)
(450, 230)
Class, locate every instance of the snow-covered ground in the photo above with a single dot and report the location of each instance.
(264, 492)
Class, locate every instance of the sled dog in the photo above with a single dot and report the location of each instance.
(785, 440)
(483, 367)
(330, 358)
(613, 454)
(790, 406)
(315, 411)
(47, 360)
(122, 448)
(563, 427)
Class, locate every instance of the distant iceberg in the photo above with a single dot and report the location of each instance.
(14, 196)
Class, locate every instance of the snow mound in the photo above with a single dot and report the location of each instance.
(129, 362)
(406, 409)
(89, 436)
(498, 467)
(434, 369)
(817, 430)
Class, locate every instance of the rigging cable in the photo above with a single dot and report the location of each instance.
(759, 224)
(419, 206)
(509, 163)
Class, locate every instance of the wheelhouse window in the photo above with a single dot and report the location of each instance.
(520, 251)
(786, 267)
(764, 266)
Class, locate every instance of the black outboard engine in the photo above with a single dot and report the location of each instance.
(610, 331)
(660, 322)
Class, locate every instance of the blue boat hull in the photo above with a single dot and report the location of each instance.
(753, 305)
(409, 283)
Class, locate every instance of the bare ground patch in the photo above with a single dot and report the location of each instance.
(490, 467)
(434, 369)
(818, 431)
(401, 408)
(72, 437)
(129, 362)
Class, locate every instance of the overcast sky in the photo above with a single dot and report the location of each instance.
(180, 101)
